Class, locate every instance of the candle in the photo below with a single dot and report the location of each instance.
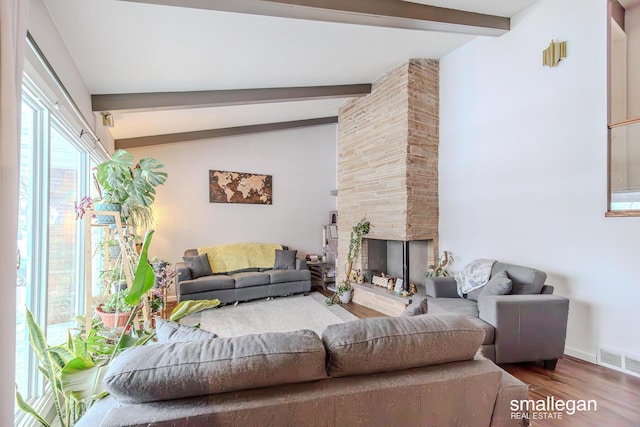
(324, 237)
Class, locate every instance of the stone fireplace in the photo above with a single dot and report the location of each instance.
(388, 172)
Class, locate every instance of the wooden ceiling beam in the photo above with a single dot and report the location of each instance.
(131, 102)
(380, 13)
(145, 141)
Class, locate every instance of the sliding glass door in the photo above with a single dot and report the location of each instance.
(54, 172)
(28, 243)
(63, 278)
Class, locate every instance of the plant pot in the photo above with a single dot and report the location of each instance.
(113, 320)
(114, 251)
(118, 285)
(346, 296)
(107, 219)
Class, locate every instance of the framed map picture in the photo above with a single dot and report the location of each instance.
(240, 187)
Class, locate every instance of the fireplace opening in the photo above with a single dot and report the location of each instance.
(407, 260)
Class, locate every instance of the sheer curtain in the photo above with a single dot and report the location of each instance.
(13, 32)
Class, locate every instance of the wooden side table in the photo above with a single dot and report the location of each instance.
(318, 271)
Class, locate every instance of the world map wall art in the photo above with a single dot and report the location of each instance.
(240, 187)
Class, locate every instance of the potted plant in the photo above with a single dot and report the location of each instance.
(439, 269)
(128, 187)
(165, 275)
(114, 278)
(344, 289)
(115, 311)
(75, 369)
(111, 245)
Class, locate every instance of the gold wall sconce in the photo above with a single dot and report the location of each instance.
(553, 54)
(107, 120)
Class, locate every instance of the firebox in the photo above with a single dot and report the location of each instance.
(407, 260)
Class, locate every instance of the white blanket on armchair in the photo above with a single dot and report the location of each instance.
(474, 275)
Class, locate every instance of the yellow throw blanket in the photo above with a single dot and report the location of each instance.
(240, 256)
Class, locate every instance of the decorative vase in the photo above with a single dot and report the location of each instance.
(107, 219)
(346, 296)
(113, 320)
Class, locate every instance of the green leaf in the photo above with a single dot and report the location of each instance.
(40, 346)
(127, 341)
(144, 278)
(82, 379)
(60, 355)
(148, 336)
(188, 307)
(38, 341)
(28, 409)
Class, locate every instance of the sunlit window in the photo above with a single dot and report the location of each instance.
(54, 172)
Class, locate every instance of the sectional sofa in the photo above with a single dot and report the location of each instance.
(408, 371)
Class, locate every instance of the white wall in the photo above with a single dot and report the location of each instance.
(302, 162)
(43, 30)
(523, 168)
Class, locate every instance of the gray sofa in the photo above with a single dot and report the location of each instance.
(409, 371)
(242, 285)
(529, 324)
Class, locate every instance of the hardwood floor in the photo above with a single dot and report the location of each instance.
(617, 395)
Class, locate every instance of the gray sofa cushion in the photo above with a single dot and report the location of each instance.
(245, 280)
(387, 344)
(525, 280)
(199, 265)
(207, 283)
(475, 294)
(178, 370)
(283, 276)
(489, 331)
(285, 260)
(417, 307)
(460, 306)
(500, 284)
(168, 331)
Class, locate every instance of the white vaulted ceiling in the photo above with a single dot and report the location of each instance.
(129, 47)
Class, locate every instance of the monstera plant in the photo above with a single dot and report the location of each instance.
(121, 182)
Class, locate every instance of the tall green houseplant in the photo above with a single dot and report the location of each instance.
(76, 368)
(131, 185)
(358, 231)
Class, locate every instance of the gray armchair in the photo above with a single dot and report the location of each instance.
(530, 324)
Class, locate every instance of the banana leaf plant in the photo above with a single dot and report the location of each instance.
(75, 369)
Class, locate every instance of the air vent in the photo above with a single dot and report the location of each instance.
(610, 358)
(632, 365)
(619, 362)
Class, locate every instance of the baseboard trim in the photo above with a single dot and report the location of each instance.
(578, 354)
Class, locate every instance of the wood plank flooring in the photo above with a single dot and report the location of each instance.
(617, 394)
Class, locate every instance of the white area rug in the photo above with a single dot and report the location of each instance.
(282, 314)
